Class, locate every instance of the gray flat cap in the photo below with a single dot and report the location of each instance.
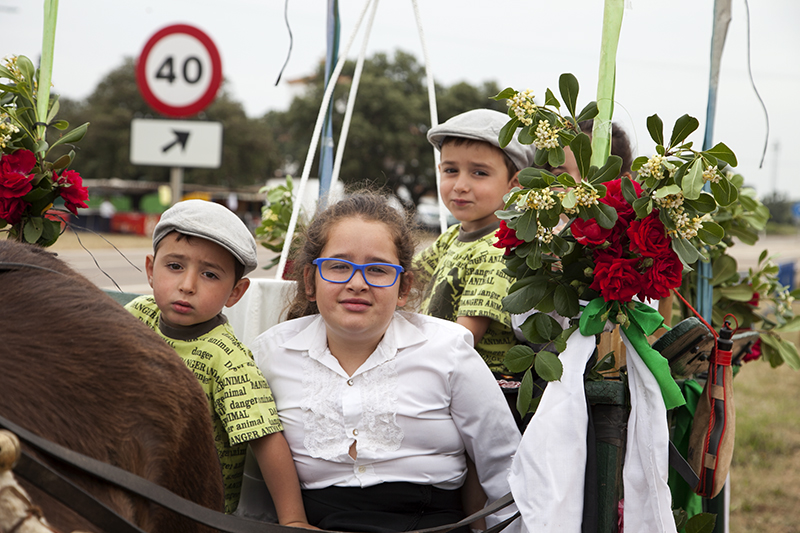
(213, 222)
(483, 125)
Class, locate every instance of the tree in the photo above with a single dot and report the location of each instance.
(387, 144)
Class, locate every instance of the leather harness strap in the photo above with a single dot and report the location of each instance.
(49, 479)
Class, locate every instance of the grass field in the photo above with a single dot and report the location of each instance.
(765, 475)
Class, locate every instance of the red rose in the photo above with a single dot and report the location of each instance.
(14, 169)
(617, 280)
(648, 237)
(589, 232)
(754, 300)
(11, 209)
(72, 190)
(506, 238)
(613, 251)
(663, 276)
(754, 353)
(615, 199)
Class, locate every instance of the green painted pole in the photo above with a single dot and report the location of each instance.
(601, 132)
(46, 66)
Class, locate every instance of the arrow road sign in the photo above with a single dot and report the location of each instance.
(176, 143)
(180, 138)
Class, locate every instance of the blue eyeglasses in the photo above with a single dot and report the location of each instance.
(341, 271)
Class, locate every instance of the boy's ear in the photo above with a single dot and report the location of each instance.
(308, 279)
(514, 181)
(148, 268)
(238, 291)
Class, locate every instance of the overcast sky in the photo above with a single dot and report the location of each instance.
(663, 58)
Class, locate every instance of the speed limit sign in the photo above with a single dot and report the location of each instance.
(179, 71)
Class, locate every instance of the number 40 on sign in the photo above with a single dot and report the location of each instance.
(179, 71)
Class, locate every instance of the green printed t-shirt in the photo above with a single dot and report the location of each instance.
(463, 276)
(241, 402)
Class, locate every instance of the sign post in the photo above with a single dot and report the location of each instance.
(178, 73)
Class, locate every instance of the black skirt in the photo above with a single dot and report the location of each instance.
(383, 508)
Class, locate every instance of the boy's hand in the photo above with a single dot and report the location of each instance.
(303, 525)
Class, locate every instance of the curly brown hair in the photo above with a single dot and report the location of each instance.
(368, 206)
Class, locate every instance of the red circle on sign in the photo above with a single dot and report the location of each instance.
(216, 73)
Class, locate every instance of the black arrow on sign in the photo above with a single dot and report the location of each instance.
(180, 138)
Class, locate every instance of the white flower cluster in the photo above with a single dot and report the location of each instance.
(546, 137)
(523, 106)
(653, 168)
(784, 300)
(670, 201)
(711, 174)
(686, 227)
(7, 129)
(538, 199)
(585, 196)
(544, 235)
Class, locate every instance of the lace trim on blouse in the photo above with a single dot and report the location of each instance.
(323, 417)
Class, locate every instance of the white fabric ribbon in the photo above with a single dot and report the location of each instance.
(548, 472)
(648, 502)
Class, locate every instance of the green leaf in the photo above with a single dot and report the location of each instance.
(724, 192)
(790, 326)
(737, 293)
(27, 70)
(609, 171)
(692, 183)
(525, 226)
(505, 94)
(568, 85)
(548, 366)
(643, 206)
(73, 136)
(711, 233)
(33, 228)
(524, 294)
(701, 523)
(704, 204)
(606, 216)
(560, 343)
(507, 132)
(560, 247)
(639, 163)
(628, 190)
(60, 124)
(721, 151)
(566, 180)
(588, 112)
(519, 358)
(723, 269)
(687, 253)
(551, 100)
(684, 127)
(569, 201)
(581, 147)
(556, 157)
(788, 352)
(540, 157)
(540, 328)
(62, 162)
(525, 393)
(55, 105)
(526, 135)
(656, 128)
(565, 299)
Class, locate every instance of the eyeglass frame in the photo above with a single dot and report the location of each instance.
(356, 268)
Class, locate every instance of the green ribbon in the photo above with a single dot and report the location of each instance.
(643, 320)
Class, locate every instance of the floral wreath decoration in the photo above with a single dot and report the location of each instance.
(599, 238)
(29, 183)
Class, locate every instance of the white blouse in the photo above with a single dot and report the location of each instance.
(419, 401)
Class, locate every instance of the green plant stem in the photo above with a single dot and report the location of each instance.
(46, 68)
(601, 132)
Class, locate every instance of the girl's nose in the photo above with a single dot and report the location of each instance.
(358, 282)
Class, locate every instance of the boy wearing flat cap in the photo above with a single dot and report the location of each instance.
(463, 271)
(201, 251)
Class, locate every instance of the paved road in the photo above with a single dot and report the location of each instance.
(111, 264)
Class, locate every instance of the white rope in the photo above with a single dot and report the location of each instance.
(351, 99)
(434, 116)
(314, 142)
